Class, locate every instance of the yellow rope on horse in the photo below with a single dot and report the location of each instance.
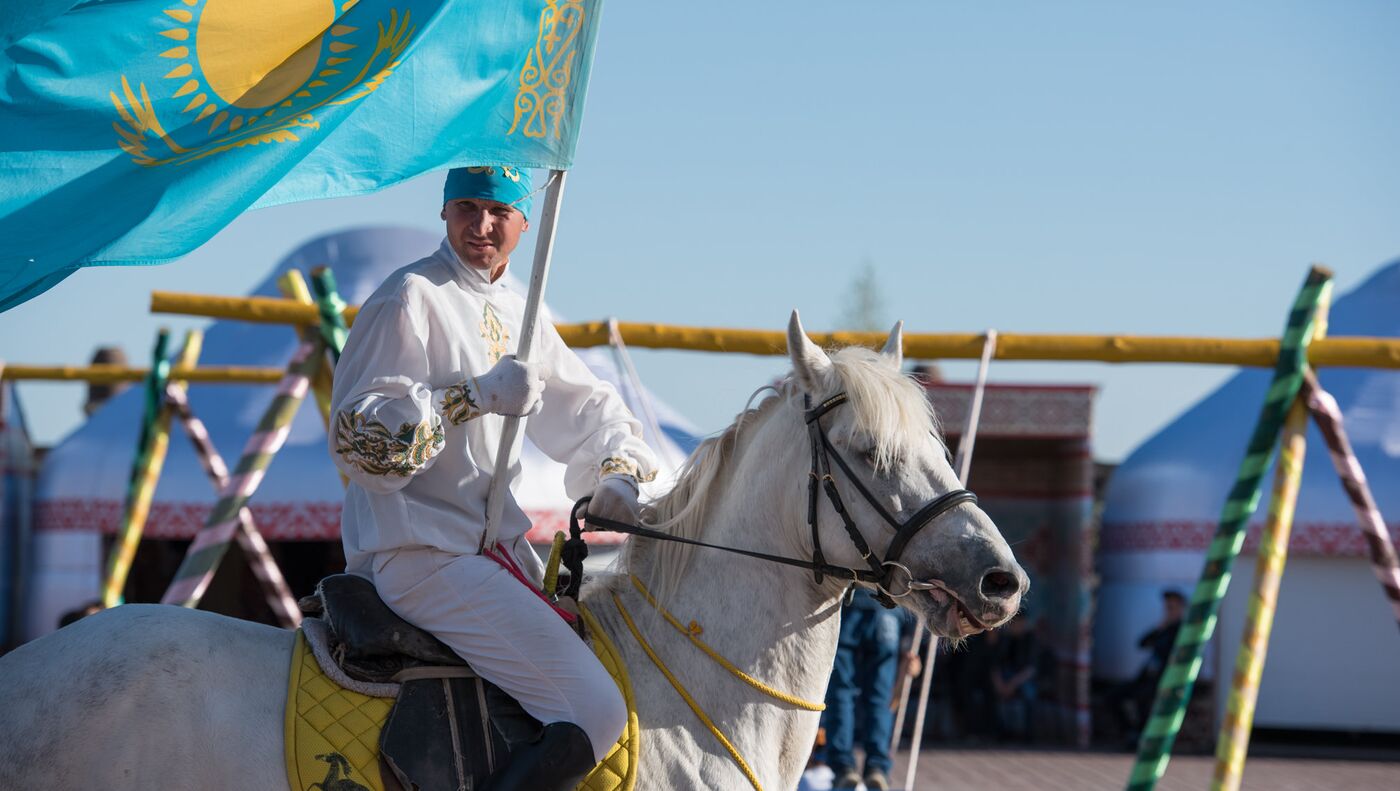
(693, 632)
(695, 707)
(551, 566)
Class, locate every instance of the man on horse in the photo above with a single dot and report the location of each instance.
(420, 396)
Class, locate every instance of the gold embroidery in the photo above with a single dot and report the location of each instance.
(541, 99)
(249, 84)
(494, 333)
(506, 170)
(618, 465)
(458, 406)
(371, 446)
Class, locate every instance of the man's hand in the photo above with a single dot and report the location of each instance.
(909, 666)
(510, 388)
(615, 498)
(1003, 691)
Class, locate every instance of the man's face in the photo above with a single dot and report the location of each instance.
(483, 232)
(1175, 608)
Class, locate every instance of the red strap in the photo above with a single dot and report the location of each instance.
(508, 563)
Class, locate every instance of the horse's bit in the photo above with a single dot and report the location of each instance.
(893, 578)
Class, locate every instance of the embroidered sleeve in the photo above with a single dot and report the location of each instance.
(385, 426)
(375, 449)
(621, 465)
(584, 423)
(458, 402)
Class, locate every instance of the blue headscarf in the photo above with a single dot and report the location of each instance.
(503, 183)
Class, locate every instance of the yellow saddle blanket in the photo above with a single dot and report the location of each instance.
(332, 733)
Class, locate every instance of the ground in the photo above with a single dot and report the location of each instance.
(1026, 770)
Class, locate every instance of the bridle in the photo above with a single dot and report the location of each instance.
(882, 571)
(885, 572)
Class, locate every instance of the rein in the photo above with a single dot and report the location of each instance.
(881, 572)
(603, 524)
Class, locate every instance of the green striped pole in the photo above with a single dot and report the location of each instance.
(293, 286)
(1174, 689)
(334, 330)
(141, 486)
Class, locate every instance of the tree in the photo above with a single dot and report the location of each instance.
(864, 308)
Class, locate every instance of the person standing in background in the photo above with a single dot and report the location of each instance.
(1013, 680)
(874, 643)
(1141, 689)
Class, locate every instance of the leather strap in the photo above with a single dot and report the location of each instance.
(432, 671)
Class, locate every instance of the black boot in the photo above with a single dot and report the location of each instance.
(557, 761)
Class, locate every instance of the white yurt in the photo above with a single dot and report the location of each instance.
(83, 481)
(1334, 659)
(16, 498)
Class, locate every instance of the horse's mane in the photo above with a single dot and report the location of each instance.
(887, 406)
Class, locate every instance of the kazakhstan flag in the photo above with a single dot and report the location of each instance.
(131, 131)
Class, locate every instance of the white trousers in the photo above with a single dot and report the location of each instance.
(509, 635)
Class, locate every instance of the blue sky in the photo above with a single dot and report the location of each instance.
(1068, 167)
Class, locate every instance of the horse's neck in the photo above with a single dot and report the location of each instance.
(770, 621)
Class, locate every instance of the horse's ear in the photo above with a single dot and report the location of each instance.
(809, 363)
(894, 345)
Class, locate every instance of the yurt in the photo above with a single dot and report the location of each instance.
(16, 497)
(1334, 659)
(83, 481)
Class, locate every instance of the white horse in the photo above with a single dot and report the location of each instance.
(150, 696)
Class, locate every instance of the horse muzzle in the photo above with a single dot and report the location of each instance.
(990, 603)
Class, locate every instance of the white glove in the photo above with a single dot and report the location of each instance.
(510, 388)
(615, 498)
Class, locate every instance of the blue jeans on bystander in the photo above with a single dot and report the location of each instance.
(862, 684)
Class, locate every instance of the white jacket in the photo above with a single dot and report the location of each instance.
(420, 459)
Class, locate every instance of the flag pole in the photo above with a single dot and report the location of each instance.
(963, 466)
(507, 450)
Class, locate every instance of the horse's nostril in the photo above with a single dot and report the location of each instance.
(1000, 584)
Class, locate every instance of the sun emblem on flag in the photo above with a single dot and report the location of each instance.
(236, 73)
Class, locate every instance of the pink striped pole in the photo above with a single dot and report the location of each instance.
(211, 542)
(275, 589)
(1328, 417)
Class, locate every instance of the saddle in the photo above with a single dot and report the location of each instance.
(448, 728)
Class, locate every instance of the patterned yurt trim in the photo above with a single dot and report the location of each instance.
(277, 521)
